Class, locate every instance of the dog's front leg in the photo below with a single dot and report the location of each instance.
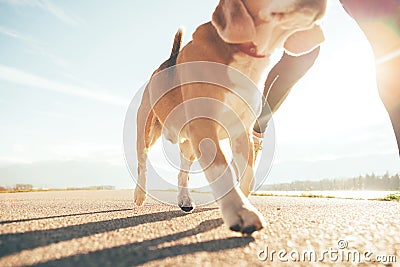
(237, 212)
(243, 160)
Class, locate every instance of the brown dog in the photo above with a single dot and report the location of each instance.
(238, 42)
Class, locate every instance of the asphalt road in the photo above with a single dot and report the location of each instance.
(103, 228)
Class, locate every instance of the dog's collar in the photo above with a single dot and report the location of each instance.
(249, 49)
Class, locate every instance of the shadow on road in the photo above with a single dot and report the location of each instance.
(13, 243)
(63, 216)
(149, 250)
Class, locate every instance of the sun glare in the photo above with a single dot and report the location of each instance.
(340, 89)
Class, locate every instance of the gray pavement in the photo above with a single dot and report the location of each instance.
(103, 228)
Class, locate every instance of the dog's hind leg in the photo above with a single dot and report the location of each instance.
(187, 157)
(148, 131)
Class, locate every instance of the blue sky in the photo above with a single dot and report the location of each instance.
(69, 70)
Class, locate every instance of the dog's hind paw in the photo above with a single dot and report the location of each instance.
(140, 196)
(185, 203)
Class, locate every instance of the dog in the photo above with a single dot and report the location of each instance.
(239, 39)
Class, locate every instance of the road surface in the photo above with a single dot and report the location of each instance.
(103, 228)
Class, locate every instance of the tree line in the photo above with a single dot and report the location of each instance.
(385, 182)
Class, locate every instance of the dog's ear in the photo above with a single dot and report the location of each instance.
(233, 22)
(303, 42)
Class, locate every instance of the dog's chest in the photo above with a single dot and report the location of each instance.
(245, 75)
(253, 68)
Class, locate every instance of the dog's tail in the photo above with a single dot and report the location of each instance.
(177, 43)
(171, 61)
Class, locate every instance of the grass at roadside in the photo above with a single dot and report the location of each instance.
(391, 197)
(310, 195)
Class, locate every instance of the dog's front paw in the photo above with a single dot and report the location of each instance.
(245, 219)
(140, 196)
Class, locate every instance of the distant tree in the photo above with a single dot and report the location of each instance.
(23, 187)
(396, 182)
